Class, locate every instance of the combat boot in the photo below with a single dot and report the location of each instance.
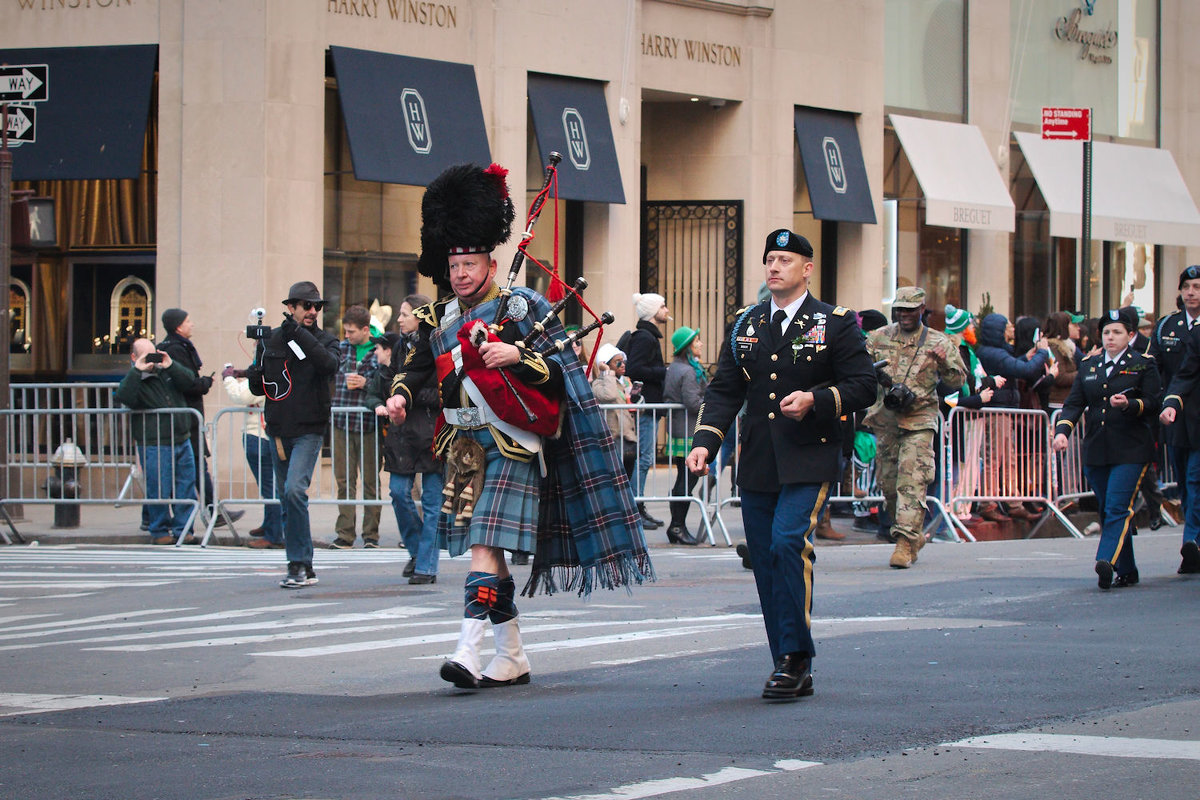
(915, 545)
(902, 555)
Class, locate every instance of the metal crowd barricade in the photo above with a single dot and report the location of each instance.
(649, 420)
(1012, 462)
(33, 396)
(90, 456)
(357, 452)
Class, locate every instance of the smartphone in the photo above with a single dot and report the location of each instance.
(635, 391)
(154, 358)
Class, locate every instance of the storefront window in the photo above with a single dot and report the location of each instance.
(112, 303)
(916, 254)
(1131, 276)
(923, 55)
(1101, 54)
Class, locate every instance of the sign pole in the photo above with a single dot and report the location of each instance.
(1086, 244)
(6, 169)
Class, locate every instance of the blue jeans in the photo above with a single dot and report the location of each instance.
(647, 432)
(779, 534)
(1115, 486)
(295, 474)
(170, 472)
(260, 455)
(420, 536)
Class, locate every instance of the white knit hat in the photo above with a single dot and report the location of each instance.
(647, 305)
(608, 352)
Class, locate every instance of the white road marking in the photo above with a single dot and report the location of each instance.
(656, 788)
(1113, 746)
(621, 662)
(13, 704)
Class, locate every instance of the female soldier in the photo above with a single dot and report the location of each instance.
(1118, 445)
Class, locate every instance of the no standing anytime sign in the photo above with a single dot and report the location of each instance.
(1074, 124)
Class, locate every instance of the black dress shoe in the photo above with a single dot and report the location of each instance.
(744, 553)
(648, 522)
(1104, 571)
(1191, 558)
(1122, 581)
(460, 676)
(409, 568)
(1157, 522)
(233, 516)
(792, 678)
(421, 578)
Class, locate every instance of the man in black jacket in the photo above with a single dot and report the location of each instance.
(644, 363)
(292, 368)
(178, 345)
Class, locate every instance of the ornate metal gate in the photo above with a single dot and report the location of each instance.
(692, 256)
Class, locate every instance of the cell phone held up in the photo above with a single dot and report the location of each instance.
(635, 392)
(154, 358)
(258, 330)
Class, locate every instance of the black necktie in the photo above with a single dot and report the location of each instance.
(777, 320)
(1108, 367)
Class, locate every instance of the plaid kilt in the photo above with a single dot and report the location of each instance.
(589, 532)
(506, 509)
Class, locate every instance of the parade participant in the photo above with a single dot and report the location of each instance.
(292, 369)
(1119, 391)
(799, 365)
(905, 415)
(551, 485)
(1171, 337)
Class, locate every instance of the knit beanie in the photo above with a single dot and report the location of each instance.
(957, 319)
(647, 305)
(172, 318)
(608, 352)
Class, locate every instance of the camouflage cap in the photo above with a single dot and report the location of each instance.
(909, 297)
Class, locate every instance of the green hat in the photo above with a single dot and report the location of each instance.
(682, 337)
(908, 297)
(1076, 318)
(957, 319)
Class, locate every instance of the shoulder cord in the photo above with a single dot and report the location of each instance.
(733, 331)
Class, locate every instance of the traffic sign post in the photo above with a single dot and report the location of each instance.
(1075, 124)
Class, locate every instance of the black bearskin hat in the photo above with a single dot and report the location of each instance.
(466, 209)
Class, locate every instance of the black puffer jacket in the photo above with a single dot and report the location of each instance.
(183, 352)
(298, 390)
(644, 360)
(408, 447)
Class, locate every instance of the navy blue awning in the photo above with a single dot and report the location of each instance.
(833, 165)
(92, 122)
(570, 116)
(408, 118)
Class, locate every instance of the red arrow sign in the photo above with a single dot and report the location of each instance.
(1067, 123)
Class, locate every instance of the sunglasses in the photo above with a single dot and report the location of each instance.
(308, 305)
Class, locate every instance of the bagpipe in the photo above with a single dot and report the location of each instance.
(521, 406)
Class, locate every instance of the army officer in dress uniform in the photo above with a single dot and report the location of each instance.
(799, 365)
(1119, 389)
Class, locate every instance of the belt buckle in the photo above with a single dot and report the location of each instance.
(469, 417)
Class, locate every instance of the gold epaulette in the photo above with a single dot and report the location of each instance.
(841, 311)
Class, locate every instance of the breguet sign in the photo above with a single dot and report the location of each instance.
(1093, 43)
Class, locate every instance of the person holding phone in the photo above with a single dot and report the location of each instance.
(1119, 392)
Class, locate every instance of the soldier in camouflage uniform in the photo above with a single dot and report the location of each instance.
(905, 426)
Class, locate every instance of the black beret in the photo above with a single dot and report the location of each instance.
(1191, 273)
(783, 239)
(1125, 316)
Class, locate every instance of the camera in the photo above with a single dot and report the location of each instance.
(899, 398)
(154, 358)
(258, 330)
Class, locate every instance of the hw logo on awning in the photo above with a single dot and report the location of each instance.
(833, 164)
(577, 143)
(416, 121)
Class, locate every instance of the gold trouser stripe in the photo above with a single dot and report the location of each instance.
(1129, 515)
(807, 554)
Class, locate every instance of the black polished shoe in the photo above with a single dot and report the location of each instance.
(409, 568)
(792, 678)
(460, 676)
(233, 516)
(1191, 558)
(1104, 571)
(744, 553)
(648, 522)
(422, 578)
(1122, 581)
(679, 534)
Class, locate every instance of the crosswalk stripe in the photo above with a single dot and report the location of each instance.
(661, 786)
(1112, 746)
(12, 704)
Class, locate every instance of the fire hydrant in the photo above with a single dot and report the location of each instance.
(64, 483)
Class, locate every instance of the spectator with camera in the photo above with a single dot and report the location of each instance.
(155, 384)
(292, 368)
(905, 415)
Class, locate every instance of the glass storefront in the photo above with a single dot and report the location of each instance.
(924, 55)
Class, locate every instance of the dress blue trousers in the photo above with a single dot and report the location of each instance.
(779, 534)
(1116, 486)
(1189, 488)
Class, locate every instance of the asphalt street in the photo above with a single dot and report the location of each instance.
(992, 670)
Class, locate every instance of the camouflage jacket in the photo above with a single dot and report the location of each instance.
(922, 374)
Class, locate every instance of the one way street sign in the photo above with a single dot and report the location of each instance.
(24, 83)
(22, 124)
